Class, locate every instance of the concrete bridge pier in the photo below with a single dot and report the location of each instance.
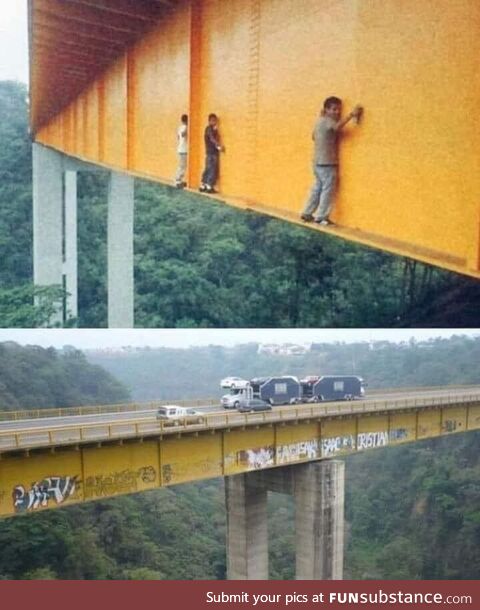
(318, 489)
(319, 520)
(47, 219)
(247, 536)
(55, 257)
(70, 266)
(120, 251)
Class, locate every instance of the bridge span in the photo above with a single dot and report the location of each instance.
(110, 79)
(95, 448)
(50, 462)
(72, 456)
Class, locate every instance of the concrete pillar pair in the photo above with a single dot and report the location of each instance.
(318, 489)
(55, 233)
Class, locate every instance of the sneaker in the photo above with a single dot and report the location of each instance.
(180, 185)
(210, 190)
(307, 217)
(203, 188)
(324, 222)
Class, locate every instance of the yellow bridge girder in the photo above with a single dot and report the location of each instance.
(410, 173)
(61, 465)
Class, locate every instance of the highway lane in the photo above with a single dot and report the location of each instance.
(150, 413)
(96, 418)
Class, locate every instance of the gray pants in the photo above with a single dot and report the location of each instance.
(182, 167)
(323, 191)
(210, 174)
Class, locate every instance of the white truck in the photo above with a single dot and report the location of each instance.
(240, 395)
(175, 414)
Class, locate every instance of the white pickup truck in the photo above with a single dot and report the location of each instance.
(174, 413)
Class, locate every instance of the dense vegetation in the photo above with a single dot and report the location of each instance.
(41, 378)
(195, 373)
(199, 263)
(412, 511)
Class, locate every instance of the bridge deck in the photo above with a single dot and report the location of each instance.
(55, 435)
(57, 464)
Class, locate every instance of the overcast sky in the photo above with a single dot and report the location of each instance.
(183, 338)
(13, 40)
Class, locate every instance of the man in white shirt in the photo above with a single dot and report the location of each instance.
(182, 151)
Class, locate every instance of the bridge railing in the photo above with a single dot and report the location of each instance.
(96, 432)
(151, 405)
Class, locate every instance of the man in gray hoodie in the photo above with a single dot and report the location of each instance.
(326, 135)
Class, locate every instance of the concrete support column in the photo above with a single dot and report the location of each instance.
(120, 251)
(47, 219)
(247, 536)
(319, 520)
(70, 265)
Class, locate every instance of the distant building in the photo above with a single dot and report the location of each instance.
(286, 349)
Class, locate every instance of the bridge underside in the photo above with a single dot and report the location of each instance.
(410, 172)
(73, 41)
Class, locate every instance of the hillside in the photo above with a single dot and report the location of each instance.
(33, 377)
(195, 373)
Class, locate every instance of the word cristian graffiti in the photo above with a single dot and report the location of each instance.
(125, 481)
(370, 440)
(364, 440)
(305, 450)
(42, 492)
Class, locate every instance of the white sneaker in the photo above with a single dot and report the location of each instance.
(325, 222)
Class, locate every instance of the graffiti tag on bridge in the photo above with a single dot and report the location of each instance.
(304, 450)
(371, 440)
(125, 481)
(41, 493)
(337, 444)
(260, 457)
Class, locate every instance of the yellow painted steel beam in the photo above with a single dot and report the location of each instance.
(410, 173)
(32, 481)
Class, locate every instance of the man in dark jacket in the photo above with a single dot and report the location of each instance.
(212, 149)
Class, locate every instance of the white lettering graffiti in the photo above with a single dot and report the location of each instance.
(297, 451)
(335, 444)
(370, 440)
(257, 458)
(58, 489)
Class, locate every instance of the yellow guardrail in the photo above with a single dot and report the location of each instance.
(154, 404)
(100, 409)
(97, 432)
